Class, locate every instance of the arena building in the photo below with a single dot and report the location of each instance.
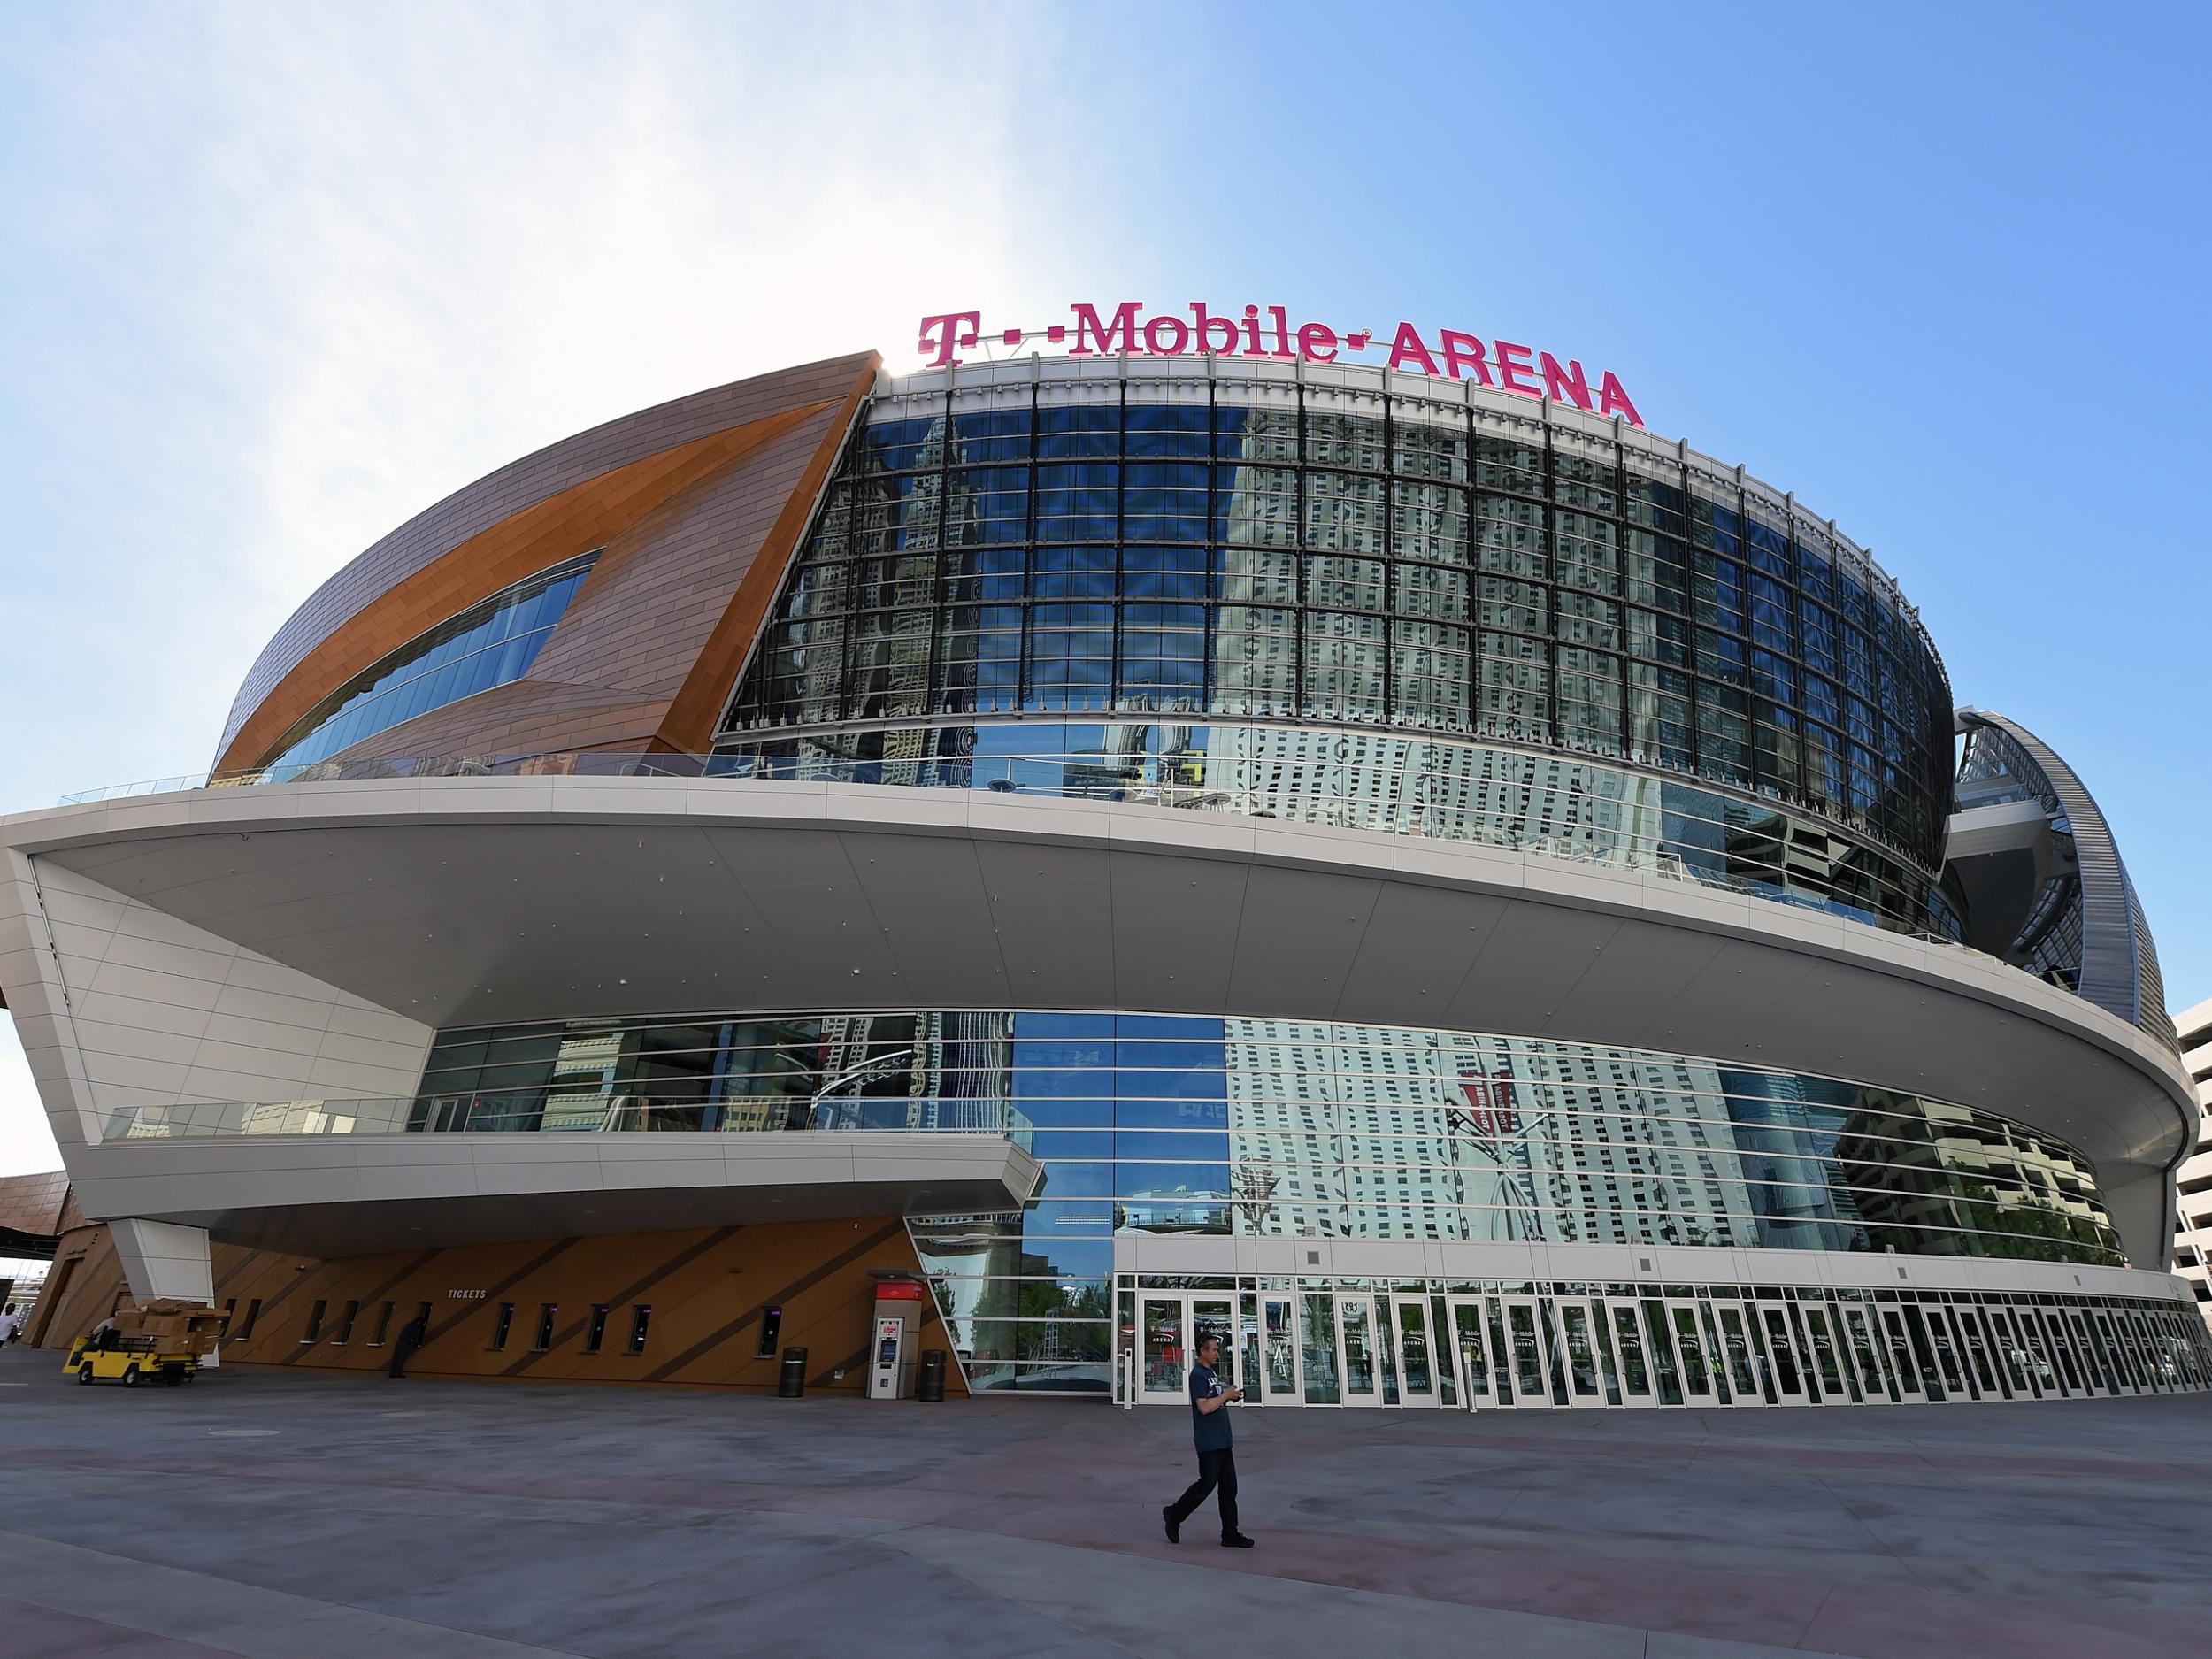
(1479, 905)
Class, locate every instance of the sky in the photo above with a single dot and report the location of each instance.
(273, 279)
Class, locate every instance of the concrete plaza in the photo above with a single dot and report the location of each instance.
(270, 1516)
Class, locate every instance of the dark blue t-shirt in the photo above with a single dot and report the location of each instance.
(1209, 1430)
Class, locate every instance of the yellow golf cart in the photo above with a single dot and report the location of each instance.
(163, 1341)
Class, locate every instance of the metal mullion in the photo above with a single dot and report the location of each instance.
(1209, 600)
(1023, 683)
(935, 619)
(1299, 700)
(1115, 692)
(1551, 582)
(1390, 565)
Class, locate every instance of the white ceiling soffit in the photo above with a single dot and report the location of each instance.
(493, 900)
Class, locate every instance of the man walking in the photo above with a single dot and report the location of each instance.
(1216, 1464)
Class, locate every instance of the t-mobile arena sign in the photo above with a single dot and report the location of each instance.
(1447, 354)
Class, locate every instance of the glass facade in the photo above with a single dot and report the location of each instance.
(1260, 547)
(1203, 1125)
(1562, 805)
(490, 643)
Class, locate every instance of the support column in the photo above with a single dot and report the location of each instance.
(162, 1259)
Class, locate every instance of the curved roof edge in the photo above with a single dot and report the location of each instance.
(2118, 969)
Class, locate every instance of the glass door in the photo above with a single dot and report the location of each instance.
(2137, 1331)
(1784, 1365)
(1278, 1352)
(2012, 1353)
(1981, 1352)
(1163, 1327)
(1831, 1365)
(1471, 1350)
(1863, 1341)
(1897, 1348)
(1417, 1373)
(1215, 1317)
(1741, 1364)
(2060, 1346)
(1586, 1363)
(1528, 1352)
(1950, 1354)
(1639, 1384)
(1700, 1367)
(1359, 1350)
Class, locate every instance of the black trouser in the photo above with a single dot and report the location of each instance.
(1215, 1469)
(402, 1352)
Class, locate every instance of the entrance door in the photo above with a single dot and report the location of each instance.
(1950, 1353)
(1700, 1356)
(1831, 1362)
(1280, 1383)
(1471, 1350)
(1586, 1365)
(1784, 1364)
(1741, 1361)
(1863, 1341)
(1640, 1380)
(1359, 1348)
(2137, 1331)
(1163, 1331)
(1981, 1350)
(1905, 1368)
(1417, 1365)
(1528, 1341)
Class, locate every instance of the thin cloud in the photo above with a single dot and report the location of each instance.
(299, 275)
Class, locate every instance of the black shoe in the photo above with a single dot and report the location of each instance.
(1174, 1526)
(1236, 1541)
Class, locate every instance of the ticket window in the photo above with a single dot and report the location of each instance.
(894, 1334)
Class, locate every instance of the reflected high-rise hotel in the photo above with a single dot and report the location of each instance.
(1479, 905)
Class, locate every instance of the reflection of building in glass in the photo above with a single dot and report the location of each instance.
(1547, 803)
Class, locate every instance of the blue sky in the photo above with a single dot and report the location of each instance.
(272, 281)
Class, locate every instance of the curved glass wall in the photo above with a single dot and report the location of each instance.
(492, 642)
(1564, 806)
(1262, 547)
(1191, 1125)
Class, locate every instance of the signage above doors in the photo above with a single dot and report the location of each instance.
(1446, 353)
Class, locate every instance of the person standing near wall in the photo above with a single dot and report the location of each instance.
(410, 1338)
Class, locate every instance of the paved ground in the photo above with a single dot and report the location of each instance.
(276, 1517)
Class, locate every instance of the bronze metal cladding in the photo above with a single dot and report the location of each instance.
(708, 1289)
(698, 504)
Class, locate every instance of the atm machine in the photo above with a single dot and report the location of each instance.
(893, 1334)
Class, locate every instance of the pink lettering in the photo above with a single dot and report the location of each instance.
(1462, 352)
(1204, 322)
(1317, 343)
(1613, 399)
(1513, 369)
(1088, 330)
(1563, 386)
(1252, 331)
(1282, 331)
(945, 335)
(1408, 350)
(1155, 336)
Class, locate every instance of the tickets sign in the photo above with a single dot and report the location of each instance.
(1197, 330)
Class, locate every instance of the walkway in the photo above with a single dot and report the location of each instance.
(272, 1516)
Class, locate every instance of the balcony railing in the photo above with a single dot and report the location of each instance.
(591, 1114)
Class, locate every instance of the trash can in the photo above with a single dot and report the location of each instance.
(791, 1381)
(930, 1384)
